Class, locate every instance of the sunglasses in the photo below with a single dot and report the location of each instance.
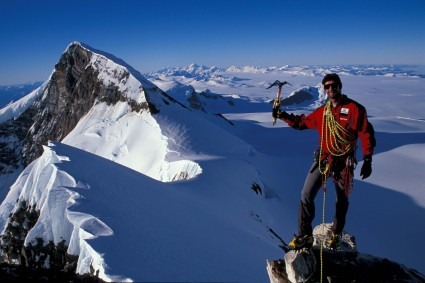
(334, 86)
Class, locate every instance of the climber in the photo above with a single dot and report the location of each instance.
(340, 122)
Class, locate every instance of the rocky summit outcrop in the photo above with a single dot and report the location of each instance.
(345, 264)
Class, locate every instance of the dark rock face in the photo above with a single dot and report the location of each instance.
(35, 255)
(12, 240)
(12, 134)
(69, 96)
(17, 273)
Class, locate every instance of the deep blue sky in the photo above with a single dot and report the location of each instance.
(152, 34)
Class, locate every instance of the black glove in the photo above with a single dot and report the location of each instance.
(278, 113)
(367, 167)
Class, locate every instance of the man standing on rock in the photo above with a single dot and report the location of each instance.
(340, 122)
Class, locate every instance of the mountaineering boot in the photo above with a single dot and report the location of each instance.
(334, 241)
(299, 242)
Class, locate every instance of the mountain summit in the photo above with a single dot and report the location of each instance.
(99, 92)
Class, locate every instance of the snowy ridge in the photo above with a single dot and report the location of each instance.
(42, 186)
(136, 74)
(46, 188)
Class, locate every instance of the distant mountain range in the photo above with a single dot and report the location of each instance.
(10, 93)
(202, 72)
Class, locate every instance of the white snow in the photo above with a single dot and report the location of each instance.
(131, 225)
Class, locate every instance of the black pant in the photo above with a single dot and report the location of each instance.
(312, 185)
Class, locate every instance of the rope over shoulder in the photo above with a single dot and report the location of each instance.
(339, 140)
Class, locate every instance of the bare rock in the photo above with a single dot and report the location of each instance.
(300, 265)
(345, 264)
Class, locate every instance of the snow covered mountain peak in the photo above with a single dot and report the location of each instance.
(146, 83)
(114, 71)
(198, 72)
(122, 129)
(97, 102)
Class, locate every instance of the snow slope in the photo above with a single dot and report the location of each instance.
(153, 231)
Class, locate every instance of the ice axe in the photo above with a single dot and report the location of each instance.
(276, 103)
